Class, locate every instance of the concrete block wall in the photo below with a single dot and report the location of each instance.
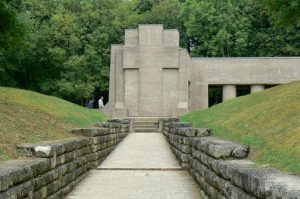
(221, 167)
(52, 169)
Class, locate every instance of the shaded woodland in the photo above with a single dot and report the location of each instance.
(62, 48)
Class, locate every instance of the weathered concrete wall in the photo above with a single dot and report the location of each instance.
(52, 169)
(263, 70)
(220, 166)
(238, 71)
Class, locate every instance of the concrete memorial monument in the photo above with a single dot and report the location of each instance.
(151, 76)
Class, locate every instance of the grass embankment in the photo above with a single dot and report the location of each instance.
(268, 121)
(30, 117)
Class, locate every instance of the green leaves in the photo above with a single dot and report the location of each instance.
(284, 13)
(66, 50)
(237, 28)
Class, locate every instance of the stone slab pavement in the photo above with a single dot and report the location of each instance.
(142, 150)
(141, 167)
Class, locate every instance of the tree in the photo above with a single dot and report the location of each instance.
(284, 13)
(166, 12)
(11, 37)
(235, 28)
(217, 28)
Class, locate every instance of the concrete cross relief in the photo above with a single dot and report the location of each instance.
(148, 74)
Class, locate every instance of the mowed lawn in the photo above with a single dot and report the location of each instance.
(268, 121)
(30, 117)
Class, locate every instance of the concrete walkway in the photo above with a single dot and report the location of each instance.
(141, 167)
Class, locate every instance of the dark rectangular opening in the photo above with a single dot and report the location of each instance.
(242, 90)
(270, 85)
(215, 95)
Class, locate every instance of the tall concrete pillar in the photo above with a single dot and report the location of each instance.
(229, 92)
(257, 88)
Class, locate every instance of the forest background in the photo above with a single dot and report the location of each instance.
(62, 47)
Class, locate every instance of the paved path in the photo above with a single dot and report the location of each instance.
(141, 167)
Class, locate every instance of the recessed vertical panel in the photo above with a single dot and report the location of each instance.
(150, 95)
(119, 78)
(132, 91)
(169, 91)
(112, 78)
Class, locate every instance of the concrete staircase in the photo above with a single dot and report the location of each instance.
(145, 124)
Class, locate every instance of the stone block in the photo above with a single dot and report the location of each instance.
(91, 132)
(171, 38)
(45, 179)
(186, 131)
(50, 149)
(180, 124)
(100, 125)
(104, 138)
(180, 139)
(150, 35)
(13, 172)
(202, 132)
(55, 185)
(219, 148)
(19, 191)
(225, 187)
(41, 193)
(131, 57)
(183, 158)
(208, 189)
(17, 171)
(282, 185)
(131, 37)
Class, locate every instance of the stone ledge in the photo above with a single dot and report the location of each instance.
(101, 125)
(179, 124)
(17, 171)
(223, 186)
(185, 149)
(203, 132)
(90, 132)
(218, 148)
(51, 148)
(179, 139)
(120, 121)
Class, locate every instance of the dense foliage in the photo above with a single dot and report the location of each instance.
(62, 47)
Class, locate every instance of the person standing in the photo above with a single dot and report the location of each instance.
(91, 104)
(101, 104)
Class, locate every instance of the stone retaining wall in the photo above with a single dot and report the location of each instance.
(52, 169)
(221, 168)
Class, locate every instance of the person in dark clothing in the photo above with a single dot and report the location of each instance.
(91, 104)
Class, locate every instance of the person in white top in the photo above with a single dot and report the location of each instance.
(100, 102)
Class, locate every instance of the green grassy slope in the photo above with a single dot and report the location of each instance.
(27, 116)
(268, 121)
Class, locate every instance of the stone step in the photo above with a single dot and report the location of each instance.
(145, 127)
(149, 129)
(152, 119)
(145, 124)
